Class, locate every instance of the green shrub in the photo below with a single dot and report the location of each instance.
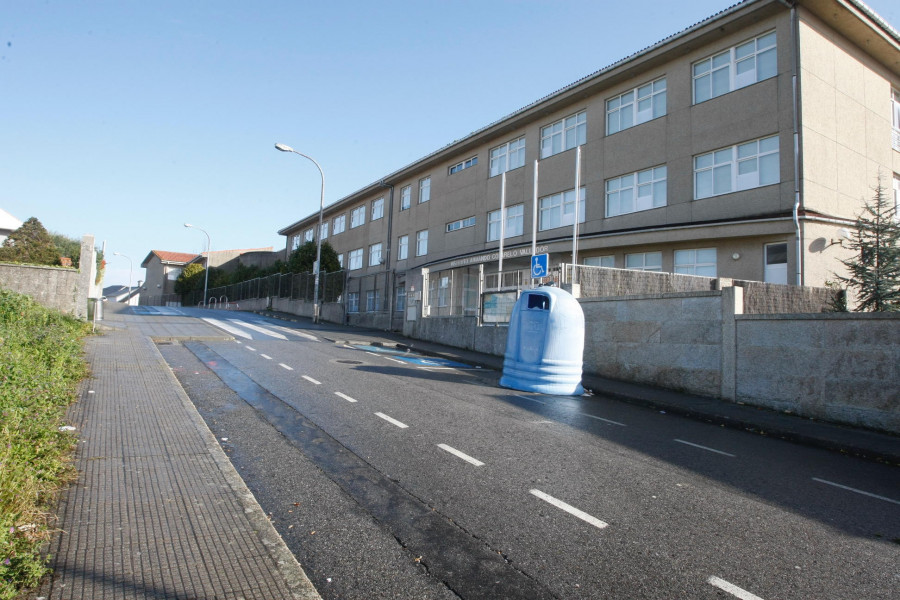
(41, 364)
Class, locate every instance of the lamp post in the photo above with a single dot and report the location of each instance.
(208, 251)
(285, 148)
(130, 267)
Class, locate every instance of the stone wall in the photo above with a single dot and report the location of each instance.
(58, 288)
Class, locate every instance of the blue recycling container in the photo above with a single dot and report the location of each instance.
(545, 343)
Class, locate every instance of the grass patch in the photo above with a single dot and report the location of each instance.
(41, 363)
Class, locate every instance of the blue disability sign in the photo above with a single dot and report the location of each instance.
(539, 265)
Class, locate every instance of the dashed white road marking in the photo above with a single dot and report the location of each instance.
(395, 360)
(345, 397)
(569, 509)
(228, 328)
(261, 330)
(390, 420)
(529, 398)
(461, 455)
(850, 489)
(311, 380)
(250, 348)
(732, 589)
(266, 356)
(708, 449)
(611, 422)
(285, 366)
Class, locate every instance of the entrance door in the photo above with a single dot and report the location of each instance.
(776, 263)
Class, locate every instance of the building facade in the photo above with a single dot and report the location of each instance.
(737, 148)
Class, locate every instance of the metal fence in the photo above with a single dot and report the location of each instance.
(295, 286)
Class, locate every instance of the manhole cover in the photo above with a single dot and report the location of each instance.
(350, 362)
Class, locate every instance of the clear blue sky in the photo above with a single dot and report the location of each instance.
(128, 118)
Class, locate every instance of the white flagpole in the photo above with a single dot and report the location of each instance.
(502, 222)
(577, 202)
(534, 224)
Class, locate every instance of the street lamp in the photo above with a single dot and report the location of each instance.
(208, 251)
(130, 266)
(285, 148)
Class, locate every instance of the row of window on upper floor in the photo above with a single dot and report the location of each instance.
(737, 67)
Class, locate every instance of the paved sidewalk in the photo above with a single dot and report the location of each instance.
(158, 511)
(855, 441)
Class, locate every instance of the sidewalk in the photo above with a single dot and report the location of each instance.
(854, 441)
(158, 511)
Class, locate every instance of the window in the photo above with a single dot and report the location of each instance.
(636, 106)
(309, 235)
(295, 242)
(339, 224)
(357, 216)
(461, 224)
(600, 261)
(324, 230)
(776, 263)
(422, 243)
(636, 192)
(375, 254)
(558, 210)
(405, 195)
(514, 222)
(895, 119)
(742, 167)
(172, 273)
(696, 262)
(896, 197)
(507, 157)
(353, 302)
(341, 260)
(563, 135)
(443, 291)
(400, 302)
(644, 261)
(424, 190)
(356, 258)
(373, 300)
(735, 68)
(377, 209)
(463, 165)
(403, 247)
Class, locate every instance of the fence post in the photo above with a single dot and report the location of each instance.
(732, 305)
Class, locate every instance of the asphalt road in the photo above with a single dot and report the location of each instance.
(391, 476)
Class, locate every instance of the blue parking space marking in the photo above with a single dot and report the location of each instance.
(414, 359)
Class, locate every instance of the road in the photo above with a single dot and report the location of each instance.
(399, 476)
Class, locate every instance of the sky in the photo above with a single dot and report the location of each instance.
(126, 119)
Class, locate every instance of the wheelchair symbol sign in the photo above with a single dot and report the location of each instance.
(539, 265)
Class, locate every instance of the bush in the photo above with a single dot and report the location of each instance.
(41, 364)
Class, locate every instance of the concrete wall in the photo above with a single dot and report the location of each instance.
(842, 367)
(62, 289)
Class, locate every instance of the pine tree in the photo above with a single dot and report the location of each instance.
(30, 244)
(875, 268)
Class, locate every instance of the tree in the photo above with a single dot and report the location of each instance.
(30, 244)
(191, 278)
(68, 247)
(303, 258)
(875, 268)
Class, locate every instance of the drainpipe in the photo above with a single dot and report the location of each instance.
(795, 73)
(389, 292)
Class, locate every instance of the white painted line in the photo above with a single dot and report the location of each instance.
(266, 356)
(285, 366)
(228, 328)
(372, 353)
(295, 332)
(732, 589)
(250, 348)
(345, 397)
(350, 347)
(390, 420)
(395, 360)
(311, 380)
(461, 455)
(602, 419)
(705, 448)
(528, 398)
(569, 509)
(850, 489)
(238, 342)
(261, 330)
